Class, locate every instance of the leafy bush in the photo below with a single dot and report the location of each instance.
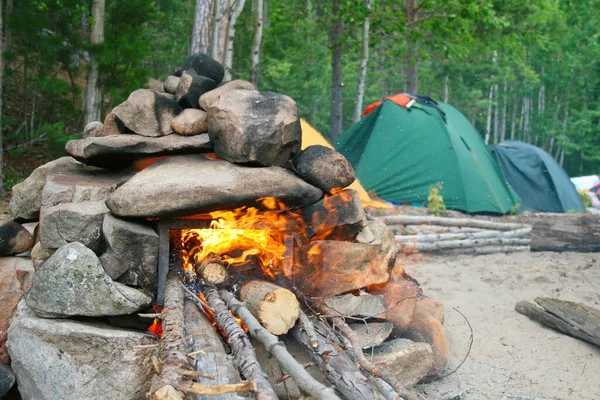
(11, 178)
(435, 201)
(587, 202)
(55, 138)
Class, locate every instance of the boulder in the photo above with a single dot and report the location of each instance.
(92, 184)
(191, 86)
(7, 379)
(136, 244)
(14, 238)
(340, 216)
(204, 65)
(39, 255)
(72, 282)
(371, 334)
(260, 128)
(328, 267)
(187, 185)
(117, 152)
(26, 199)
(112, 264)
(210, 97)
(93, 129)
(147, 113)
(15, 279)
(190, 122)
(113, 125)
(64, 359)
(408, 361)
(73, 222)
(324, 168)
(171, 83)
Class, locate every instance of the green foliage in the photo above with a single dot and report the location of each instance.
(435, 201)
(55, 137)
(515, 209)
(587, 202)
(11, 178)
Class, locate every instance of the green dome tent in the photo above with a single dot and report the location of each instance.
(538, 179)
(400, 153)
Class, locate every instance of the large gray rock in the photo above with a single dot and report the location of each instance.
(190, 122)
(15, 279)
(73, 222)
(64, 359)
(136, 244)
(223, 90)
(14, 238)
(26, 199)
(117, 152)
(147, 113)
(204, 65)
(93, 129)
(408, 361)
(324, 168)
(91, 184)
(72, 282)
(191, 86)
(340, 216)
(186, 185)
(113, 265)
(248, 126)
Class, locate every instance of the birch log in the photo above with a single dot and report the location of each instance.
(441, 221)
(461, 244)
(482, 234)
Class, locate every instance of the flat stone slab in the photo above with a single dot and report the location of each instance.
(120, 151)
(65, 359)
(187, 185)
(408, 361)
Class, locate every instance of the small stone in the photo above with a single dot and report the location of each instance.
(93, 129)
(112, 264)
(171, 83)
(147, 113)
(364, 305)
(7, 379)
(372, 334)
(252, 127)
(408, 361)
(190, 122)
(324, 168)
(191, 86)
(14, 238)
(39, 255)
(340, 216)
(72, 282)
(204, 65)
(210, 97)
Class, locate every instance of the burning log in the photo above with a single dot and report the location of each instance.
(275, 307)
(277, 349)
(171, 383)
(242, 349)
(212, 270)
(338, 368)
(574, 319)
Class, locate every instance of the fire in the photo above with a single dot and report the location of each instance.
(156, 326)
(211, 317)
(241, 236)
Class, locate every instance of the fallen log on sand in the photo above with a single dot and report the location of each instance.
(480, 234)
(574, 319)
(461, 244)
(462, 222)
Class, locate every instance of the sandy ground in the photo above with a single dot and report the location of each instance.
(512, 355)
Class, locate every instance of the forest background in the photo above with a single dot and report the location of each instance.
(518, 69)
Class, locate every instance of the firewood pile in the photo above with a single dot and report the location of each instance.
(429, 234)
(276, 289)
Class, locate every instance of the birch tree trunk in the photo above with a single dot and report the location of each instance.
(226, 10)
(233, 16)
(364, 59)
(201, 30)
(504, 110)
(446, 88)
(93, 95)
(255, 56)
(488, 125)
(412, 54)
(496, 113)
(336, 72)
(216, 29)
(513, 123)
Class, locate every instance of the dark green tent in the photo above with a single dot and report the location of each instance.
(540, 182)
(401, 153)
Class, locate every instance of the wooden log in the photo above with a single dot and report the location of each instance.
(574, 319)
(349, 305)
(243, 352)
(212, 270)
(562, 232)
(277, 349)
(441, 221)
(275, 307)
(209, 355)
(338, 367)
(489, 250)
(461, 244)
(482, 234)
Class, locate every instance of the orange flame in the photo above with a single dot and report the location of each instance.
(241, 236)
(156, 326)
